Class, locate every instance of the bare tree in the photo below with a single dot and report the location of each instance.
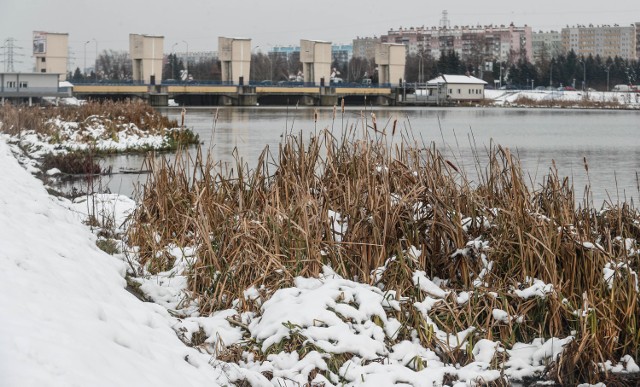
(205, 70)
(261, 67)
(114, 65)
(359, 68)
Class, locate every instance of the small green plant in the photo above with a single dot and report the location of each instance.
(109, 246)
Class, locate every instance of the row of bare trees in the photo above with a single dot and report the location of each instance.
(116, 66)
(566, 69)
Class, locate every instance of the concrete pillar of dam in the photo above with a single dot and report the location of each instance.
(146, 53)
(315, 56)
(391, 60)
(235, 59)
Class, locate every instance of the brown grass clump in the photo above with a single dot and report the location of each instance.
(75, 163)
(134, 118)
(583, 103)
(15, 119)
(263, 227)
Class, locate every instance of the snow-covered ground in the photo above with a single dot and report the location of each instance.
(69, 318)
(508, 97)
(93, 134)
(66, 317)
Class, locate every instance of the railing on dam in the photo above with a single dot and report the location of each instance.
(225, 93)
(350, 85)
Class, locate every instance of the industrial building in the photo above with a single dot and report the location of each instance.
(51, 53)
(459, 88)
(30, 87)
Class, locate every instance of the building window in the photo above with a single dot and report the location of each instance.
(43, 59)
(459, 91)
(24, 84)
(11, 84)
(43, 70)
(450, 91)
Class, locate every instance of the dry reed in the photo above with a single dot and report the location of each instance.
(264, 226)
(18, 118)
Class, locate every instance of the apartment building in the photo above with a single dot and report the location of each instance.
(546, 45)
(505, 43)
(637, 40)
(605, 40)
(365, 47)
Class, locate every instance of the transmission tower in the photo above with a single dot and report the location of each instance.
(9, 54)
(444, 22)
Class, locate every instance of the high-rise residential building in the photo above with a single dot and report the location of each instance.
(605, 41)
(638, 40)
(51, 53)
(546, 45)
(194, 57)
(484, 43)
(341, 53)
(365, 47)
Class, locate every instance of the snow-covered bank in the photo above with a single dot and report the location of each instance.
(66, 318)
(509, 97)
(72, 320)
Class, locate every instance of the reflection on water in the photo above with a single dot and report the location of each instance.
(607, 139)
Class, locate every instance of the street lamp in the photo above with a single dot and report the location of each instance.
(258, 50)
(173, 61)
(270, 67)
(607, 70)
(584, 74)
(84, 70)
(420, 68)
(95, 70)
(186, 63)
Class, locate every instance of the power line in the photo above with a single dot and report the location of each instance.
(9, 54)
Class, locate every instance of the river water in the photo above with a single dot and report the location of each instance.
(608, 140)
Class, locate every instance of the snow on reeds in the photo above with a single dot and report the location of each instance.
(97, 127)
(449, 263)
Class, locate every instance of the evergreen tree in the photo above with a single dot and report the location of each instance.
(449, 63)
(77, 75)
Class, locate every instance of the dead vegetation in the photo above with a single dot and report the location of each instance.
(354, 200)
(18, 118)
(585, 102)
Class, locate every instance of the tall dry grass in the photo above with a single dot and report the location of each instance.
(264, 226)
(585, 102)
(18, 118)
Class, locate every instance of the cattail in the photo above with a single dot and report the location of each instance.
(342, 105)
(374, 122)
(184, 111)
(449, 163)
(586, 165)
(315, 115)
(334, 111)
(393, 131)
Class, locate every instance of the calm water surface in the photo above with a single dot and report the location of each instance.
(609, 140)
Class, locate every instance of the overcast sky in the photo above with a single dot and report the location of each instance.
(274, 22)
